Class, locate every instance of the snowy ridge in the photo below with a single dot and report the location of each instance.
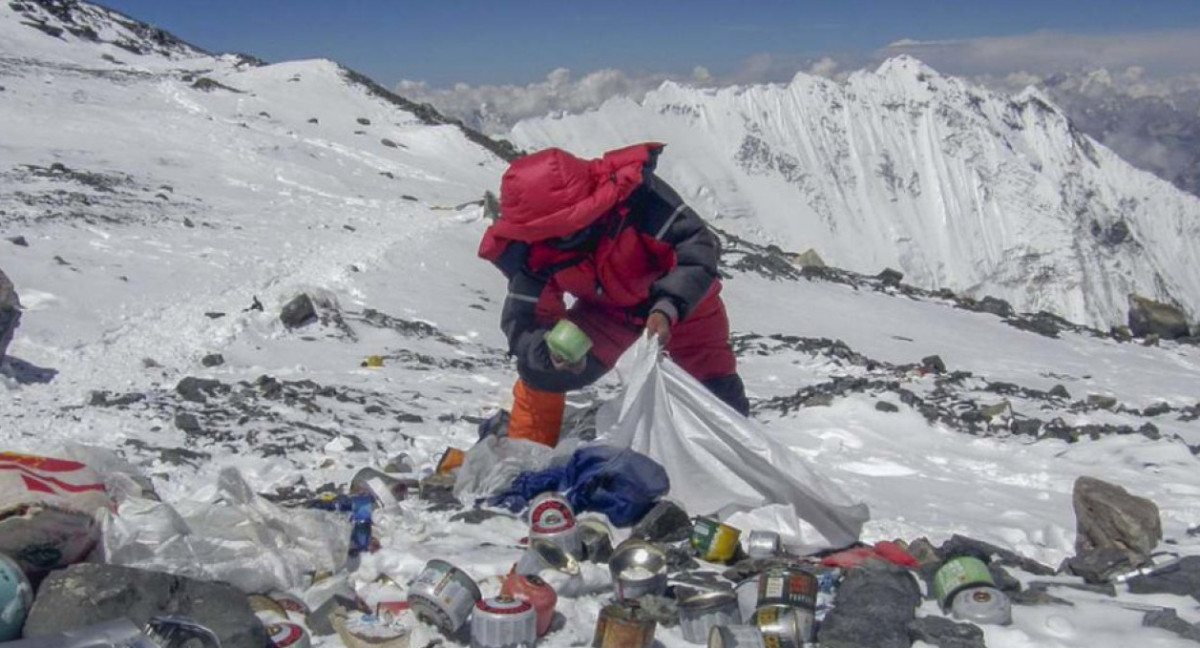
(956, 186)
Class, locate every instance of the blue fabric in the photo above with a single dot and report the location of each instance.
(620, 483)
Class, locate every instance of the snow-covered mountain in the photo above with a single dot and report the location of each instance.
(955, 185)
(157, 210)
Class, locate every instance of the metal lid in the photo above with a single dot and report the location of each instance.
(709, 600)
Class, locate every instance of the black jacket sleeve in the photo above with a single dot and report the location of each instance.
(662, 214)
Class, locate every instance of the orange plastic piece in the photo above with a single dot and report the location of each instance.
(536, 415)
(451, 460)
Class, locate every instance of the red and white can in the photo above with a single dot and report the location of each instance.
(551, 518)
(538, 592)
(286, 634)
(503, 622)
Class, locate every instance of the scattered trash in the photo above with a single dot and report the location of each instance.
(624, 625)
(568, 341)
(538, 592)
(638, 569)
(503, 622)
(714, 541)
(47, 511)
(763, 544)
(443, 595)
(597, 539)
(285, 634)
(551, 518)
(451, 460)
(373, 361)
(958, 574)
(699, 613)
(982, 605)
(180, 632)
(736, 636)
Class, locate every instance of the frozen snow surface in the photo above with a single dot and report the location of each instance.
(162, 193)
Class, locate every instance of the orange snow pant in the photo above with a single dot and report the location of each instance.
(536, 415)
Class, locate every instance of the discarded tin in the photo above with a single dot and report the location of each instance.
(292, 604)
(568, 341)
(791, 587)
(736, 636)
(285, 634)
(958, 574)
(443, 595)
(596, 538)
(699, 613)
(373, 361)
(538, 592)
(387, 490)
(503, 622)
(763, 544)
(267, 609)
(784, 626)
(1160, 562)
(175, 631)
(390, 611)
(551, 518)
(714, 541)
(624, 625)
(747, 596)
(542, 554)
(638, 568)
(986, 605)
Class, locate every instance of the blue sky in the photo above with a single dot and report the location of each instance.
(518, 42)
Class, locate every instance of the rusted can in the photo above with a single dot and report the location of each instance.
(699, 613)
(714, 541)
(443, 595)
(763, 544)
(503, 622)
(792, 587)
(784, 626)
(551, 518)
(623, 625)
(735, 636)
(538, 592)
(285, 634)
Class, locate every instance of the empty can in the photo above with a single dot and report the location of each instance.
(286, 634)
(714, 541)
(503, 622)
(699, 613)
(538, 592)
(624, 625)
(736, 636)
(792, 587)
(986, 605)
(443, 595)
(784, 626)
(763, 544)
(551, 518)
(958, 574)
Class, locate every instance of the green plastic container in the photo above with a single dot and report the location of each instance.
(568, 341)
(958, 574)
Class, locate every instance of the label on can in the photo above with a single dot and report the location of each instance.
(982, 605)
(783, 626)
(735, 636)
(287, 635)
(958, 573)
(551, 514)
(713, 541)
(444, 595)
(792, 587)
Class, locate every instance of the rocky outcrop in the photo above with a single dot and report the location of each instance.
(1148, 317)
(10, 313)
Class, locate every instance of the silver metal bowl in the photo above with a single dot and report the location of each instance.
(638, 568)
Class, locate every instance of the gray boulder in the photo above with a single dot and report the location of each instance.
(1148, 317)
(10, 312)
(298, 312)
(874, 607)
(89, 593)
(1182, 579)
(1106, 515)
(1168, 619)
(944, 633)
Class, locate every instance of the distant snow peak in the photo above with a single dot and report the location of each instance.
(958, 186)
(85, 22)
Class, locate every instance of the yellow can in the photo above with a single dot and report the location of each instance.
(714, 541)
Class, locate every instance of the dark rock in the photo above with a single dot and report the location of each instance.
(1004, 581)
(19, 241)
(666, 522)
(1193, 532)
(187, 222)
(1028, 427)
(1148, 317)
(477, 516)
(1182, 579)
(1099, 565)
(214, 315)
(213, 360)
(1157, 409)
(1106, 515)
(89, 593)
(933, 364)
(1042, 323)
(884, 406)
(1100, 401)
(298, 312)
(198, 390)
(890, 277)
(872, 609)
(1150, 431)
(187, 422)
(959, 545)
(994, 306)
(363, 121)
(389, 143)
(1121, 333)
(438, 490)
(1037, 595)
(944, 633)
(10, 312)
(1058, 391)
(1104, 589)
(1168, 619)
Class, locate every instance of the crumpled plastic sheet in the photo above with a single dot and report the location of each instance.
(238, 537)
(492, 464)
(720, 462)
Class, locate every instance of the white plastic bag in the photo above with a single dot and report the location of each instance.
(719, 461)
(239, 538)
(492, 464)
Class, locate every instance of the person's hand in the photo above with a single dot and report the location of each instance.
(658, 325)
(560, 364)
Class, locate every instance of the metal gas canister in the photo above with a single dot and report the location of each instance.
(700, 612)
(763, 544)
(784, 626)
(958, 574)
(503, 622)
(792, 587)
(736, 636)
(539, 593)
(551, 518)
(624, 625)
(986, 605)
(285, 634)
(444, 595)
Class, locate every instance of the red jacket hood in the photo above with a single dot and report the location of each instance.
(552, 193)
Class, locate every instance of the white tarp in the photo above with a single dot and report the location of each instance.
(720, 462)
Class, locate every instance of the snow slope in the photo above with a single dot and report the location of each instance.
(173, 209)
(957, 186)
